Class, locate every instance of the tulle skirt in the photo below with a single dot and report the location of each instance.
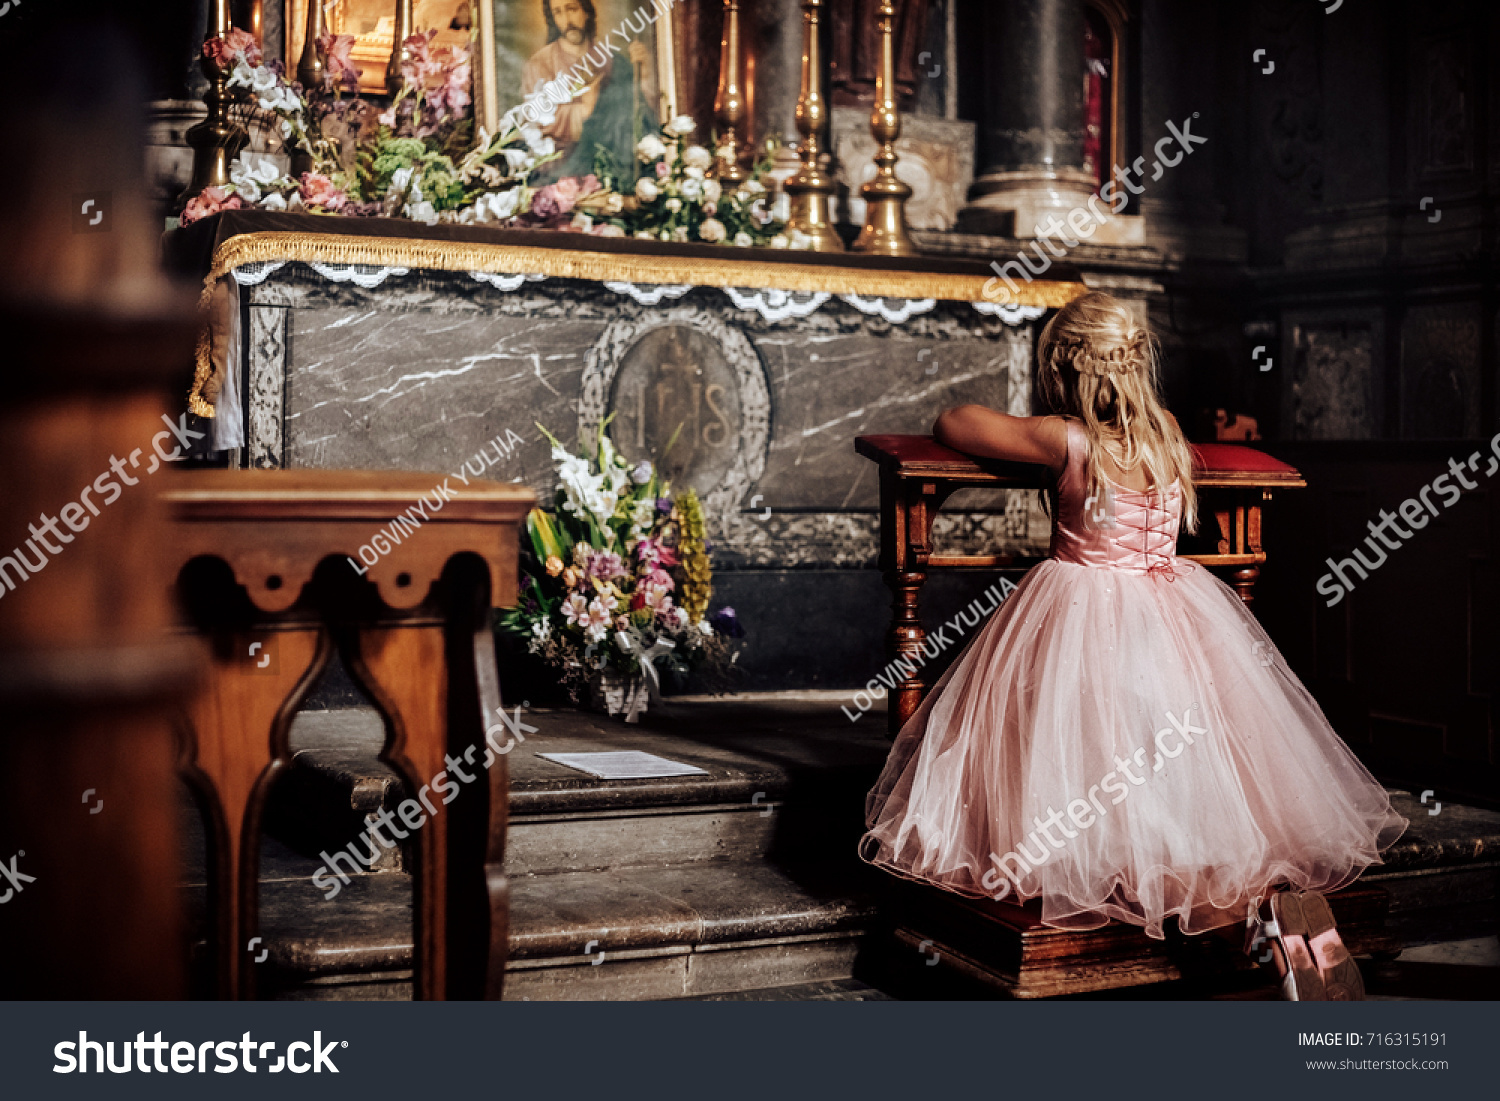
(1124, 746)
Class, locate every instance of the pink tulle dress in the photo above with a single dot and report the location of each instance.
(1123, 741)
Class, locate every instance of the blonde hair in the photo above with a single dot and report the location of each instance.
(1095, 363)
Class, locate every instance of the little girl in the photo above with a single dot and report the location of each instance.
(1122, 740)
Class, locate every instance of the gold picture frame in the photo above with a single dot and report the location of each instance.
(512, 34)
(372, 24)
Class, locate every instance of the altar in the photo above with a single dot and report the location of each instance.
(385, 345)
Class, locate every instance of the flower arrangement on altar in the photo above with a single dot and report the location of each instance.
(618, 580)
(420, 157)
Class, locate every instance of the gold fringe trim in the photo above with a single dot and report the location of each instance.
(750, 273)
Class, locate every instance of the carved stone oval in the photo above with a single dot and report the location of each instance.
(676, 402)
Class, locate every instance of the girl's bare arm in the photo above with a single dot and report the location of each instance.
(977, 430)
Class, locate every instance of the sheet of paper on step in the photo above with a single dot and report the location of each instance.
(630, 764)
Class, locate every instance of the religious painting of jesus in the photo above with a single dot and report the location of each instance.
(598, 74)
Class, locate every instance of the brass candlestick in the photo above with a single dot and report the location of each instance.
(885, 196)
(399, 54)
(311, 67)
(729, 103)
(811, 189)
(218, 139)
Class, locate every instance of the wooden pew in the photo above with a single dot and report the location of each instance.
(265, 568)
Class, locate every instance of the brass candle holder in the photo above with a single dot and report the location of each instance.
(311, 67)
(812, 189)
(885, 196)
(399, 54)
(729, 103)
(218, 139)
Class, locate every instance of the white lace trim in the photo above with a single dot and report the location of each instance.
(903, 310)
(649, 294)
(776, 305)
(504, 282)
(367, 276)
(1011, 315)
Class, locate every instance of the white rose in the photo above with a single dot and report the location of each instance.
(779, 241)
(680, 127)
(712, 230)
(674, 205)
(697, 157)
(651, 149)
(273, 202)
(646, 190)
(743, 240)
(692, 190)
(693, 172)
(497, 206)
(712, 190)
(422, 212)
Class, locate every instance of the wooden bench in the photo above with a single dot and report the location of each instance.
(267, 569)
(918, 475)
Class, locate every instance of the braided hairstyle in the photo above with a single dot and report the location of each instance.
(1096, 363)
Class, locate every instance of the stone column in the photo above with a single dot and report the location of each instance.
(1031, 130)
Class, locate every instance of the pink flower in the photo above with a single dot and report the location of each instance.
(662, 171)
(319, 190)
(651, 552)
(576, 609)
(338, 52)
(556, 199)
(222, 51)
(418, 58)
(209, 201)
(710, 209)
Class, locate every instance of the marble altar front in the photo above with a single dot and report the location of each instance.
(764, 368)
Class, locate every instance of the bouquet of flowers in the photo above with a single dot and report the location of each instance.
(678, 198)
(418, 159)
(618, 578)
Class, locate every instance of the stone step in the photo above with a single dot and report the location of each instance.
(781, 775)
(644, 933)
